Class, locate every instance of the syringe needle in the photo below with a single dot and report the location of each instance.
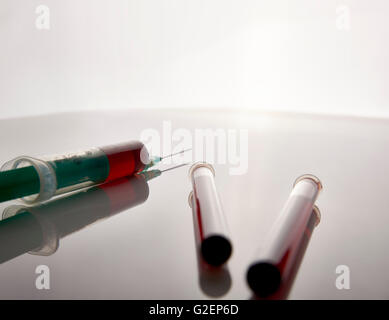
(151, 174)
(155, 160)
(176, 153)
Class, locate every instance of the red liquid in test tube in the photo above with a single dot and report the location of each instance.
(272, 263)
(212, 231)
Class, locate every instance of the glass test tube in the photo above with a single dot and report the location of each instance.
(214, 281)
(212, 231)
(265, 274)
(295, 261)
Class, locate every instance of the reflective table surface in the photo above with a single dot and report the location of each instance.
(134, 239)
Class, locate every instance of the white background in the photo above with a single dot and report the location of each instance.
(273, 55)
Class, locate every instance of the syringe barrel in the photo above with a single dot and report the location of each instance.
(125, 159)
(210, 222)
(283, 239)
(63, 173)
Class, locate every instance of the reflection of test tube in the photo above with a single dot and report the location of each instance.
(272, 264)
(38, 229)
(214, 243)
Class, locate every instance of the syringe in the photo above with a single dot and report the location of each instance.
(36, 180)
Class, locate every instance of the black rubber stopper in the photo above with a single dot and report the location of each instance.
(216, 250)
(264, 278)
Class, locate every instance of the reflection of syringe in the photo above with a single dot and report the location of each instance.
(40, 179)
(38, 229)
(151, 174)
